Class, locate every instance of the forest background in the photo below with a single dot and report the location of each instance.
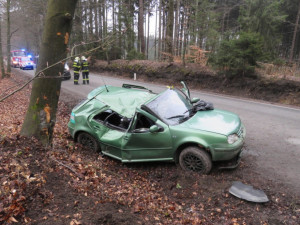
(230, 35)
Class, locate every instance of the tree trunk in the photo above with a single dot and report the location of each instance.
(85, 19)
(186, 33)
(176, 33)
(148, 27)
(113, 17)
(141, 41)
(41, 113)
(91, 24)
(96, 18)
(155, 33)
(169, 32)
(8, 36)
(159, 30)
(163, 46)
(1, 54)
(181, 32)
(128, 14)
(294, 35)
(105, 20)
(100, 20)
(121, 45)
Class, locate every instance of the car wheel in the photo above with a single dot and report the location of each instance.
(195, 159)
(88, 141)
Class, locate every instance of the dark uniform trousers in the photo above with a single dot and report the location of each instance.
(76, 68)
(85, 72)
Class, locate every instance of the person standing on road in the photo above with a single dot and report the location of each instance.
(85, 70)
(76, 68)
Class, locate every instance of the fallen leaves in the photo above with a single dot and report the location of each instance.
(158, 193)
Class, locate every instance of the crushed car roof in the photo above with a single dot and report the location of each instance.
(124, 100)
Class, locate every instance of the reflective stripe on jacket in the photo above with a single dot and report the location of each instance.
(76, 67)
(85, 66)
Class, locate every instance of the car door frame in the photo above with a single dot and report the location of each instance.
(161, 148)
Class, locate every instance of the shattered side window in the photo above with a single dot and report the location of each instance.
(101, 117)
(171, 107)
(113, 120)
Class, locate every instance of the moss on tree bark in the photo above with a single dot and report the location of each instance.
(41, 113)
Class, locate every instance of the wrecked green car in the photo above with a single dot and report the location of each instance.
(133, 124)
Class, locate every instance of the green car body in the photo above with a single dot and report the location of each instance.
(132, 124)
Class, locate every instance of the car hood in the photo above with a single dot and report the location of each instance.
(216, 121)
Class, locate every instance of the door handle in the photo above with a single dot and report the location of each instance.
(97, 127)
(126, 138)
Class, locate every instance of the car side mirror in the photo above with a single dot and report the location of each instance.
(194, 100)
(154, 129)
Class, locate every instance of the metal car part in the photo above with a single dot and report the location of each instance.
(247, 192)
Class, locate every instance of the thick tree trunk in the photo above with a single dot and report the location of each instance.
(41, 113)
(8, 36)
(294, 35)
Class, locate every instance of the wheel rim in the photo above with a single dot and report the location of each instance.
(87, 141)
(193, 163)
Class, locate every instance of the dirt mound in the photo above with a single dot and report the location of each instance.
(200, 77)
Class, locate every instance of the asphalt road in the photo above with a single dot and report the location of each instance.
(273, 131)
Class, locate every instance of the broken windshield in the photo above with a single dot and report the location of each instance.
(171, 106)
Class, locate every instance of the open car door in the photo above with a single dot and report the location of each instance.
(186, 90)
(108, 128)
(96, 122)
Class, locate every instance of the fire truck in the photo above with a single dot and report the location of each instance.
(16, 56)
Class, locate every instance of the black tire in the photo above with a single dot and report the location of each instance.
(88, 141)
(195, 159)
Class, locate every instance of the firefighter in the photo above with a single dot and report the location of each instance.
(85, 70)
(76, 68)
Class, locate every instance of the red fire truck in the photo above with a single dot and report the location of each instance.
(16, 56)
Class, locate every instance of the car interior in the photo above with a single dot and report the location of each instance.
(116, 121)
(143, 122)
(113, 120)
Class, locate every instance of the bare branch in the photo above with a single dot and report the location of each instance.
(11, 34)
(68, 167)
(109, 40)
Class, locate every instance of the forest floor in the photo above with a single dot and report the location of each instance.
(67, 184)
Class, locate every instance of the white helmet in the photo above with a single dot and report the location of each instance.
(83, 58)
(77, 59)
